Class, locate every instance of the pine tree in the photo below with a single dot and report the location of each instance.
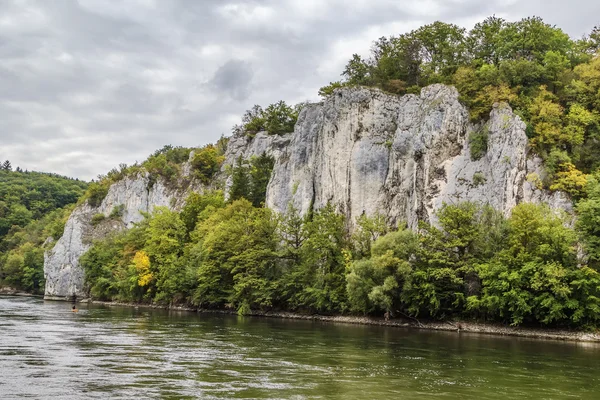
(7, 166)
(260, 173)
(240, 186)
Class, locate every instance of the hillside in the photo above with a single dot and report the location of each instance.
(33, 207)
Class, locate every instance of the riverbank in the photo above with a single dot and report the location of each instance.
(456, 326)
(7, 290)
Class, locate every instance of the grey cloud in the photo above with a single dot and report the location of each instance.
(88, 84)
(233, 77)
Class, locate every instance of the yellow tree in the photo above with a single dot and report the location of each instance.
(141, 261)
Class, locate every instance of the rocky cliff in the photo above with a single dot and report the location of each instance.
(369, 152)
(125, 201)
(362, 150)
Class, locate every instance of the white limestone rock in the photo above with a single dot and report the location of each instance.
(135, 194)
(368, 152)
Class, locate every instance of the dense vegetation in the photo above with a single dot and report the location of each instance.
(476, 264)
(276, 119)
(550, 80)
(33, 207)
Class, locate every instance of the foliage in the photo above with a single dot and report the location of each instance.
(33, 207)
(328, 90)
(478, 143)
(97, 218)
(117, 211)
(474, 263)
(250, 179)
(550, 80)
(277, 119)
(28, 196)
(207, 162)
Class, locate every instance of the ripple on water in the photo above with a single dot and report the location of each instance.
(48, 352)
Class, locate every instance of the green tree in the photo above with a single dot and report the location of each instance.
(240, 181)
(206, 163)
(261, 168)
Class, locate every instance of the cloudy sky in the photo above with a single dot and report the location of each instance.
(88, 84)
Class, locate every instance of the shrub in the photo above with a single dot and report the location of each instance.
(97, 218)
(478, 141)
(117, 211)
(478, 179)
(96, 193)
(206, 163)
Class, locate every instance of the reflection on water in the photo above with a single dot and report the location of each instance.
(46, 351)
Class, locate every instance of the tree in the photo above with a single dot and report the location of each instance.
(237, 261)
(485, 40)
(280, 118)
(164, 246)
(328, 90)
(206, 163)
(240, 181)
(442, 48)
(322, 267)
(357, 71)
(260, 174)
(374, 284)
(7, 166)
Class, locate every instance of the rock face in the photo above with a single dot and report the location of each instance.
(246, 147)
(361, 150)
(64, 276)
(368, 152)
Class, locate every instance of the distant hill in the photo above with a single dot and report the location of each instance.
(33, 207)
(28, 196)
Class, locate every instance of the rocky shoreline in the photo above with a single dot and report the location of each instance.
(457, 326)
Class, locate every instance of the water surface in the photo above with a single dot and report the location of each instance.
(46, 351)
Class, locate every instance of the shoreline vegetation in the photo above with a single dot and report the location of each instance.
(474, 263)
(404, 322)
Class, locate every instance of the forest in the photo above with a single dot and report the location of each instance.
(33, 207)
(549, 79)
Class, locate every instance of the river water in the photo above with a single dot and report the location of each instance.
(46, 351)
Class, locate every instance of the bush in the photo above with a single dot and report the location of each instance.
(478, 141)
(478, 179)
(96, 193)
(117, 211)
(206, 163)
(97, 218)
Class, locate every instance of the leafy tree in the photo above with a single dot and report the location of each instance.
(276, 119)
(237, 257)
(328, 90)
(374, 284)
(485, 40)
(240, 181)
(588, 221)
(260, 173)
(196, 204)
(207, 162)
(322, 268)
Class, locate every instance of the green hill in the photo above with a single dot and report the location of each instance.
(33, 207)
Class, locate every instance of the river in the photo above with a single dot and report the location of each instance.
(47, 351)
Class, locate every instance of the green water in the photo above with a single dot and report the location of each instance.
(46, 351)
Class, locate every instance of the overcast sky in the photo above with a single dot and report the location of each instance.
(88, 84)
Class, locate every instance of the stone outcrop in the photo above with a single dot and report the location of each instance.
(363, 151)
(126, 199)
(368, 152)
